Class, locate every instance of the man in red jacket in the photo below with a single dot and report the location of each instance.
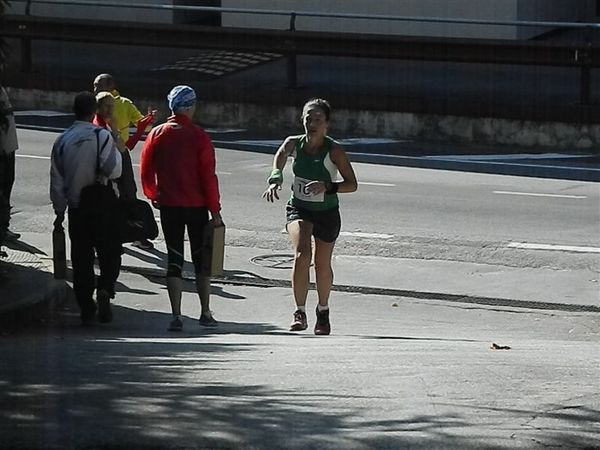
(178, 176)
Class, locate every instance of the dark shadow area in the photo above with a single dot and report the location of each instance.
(121, 287)
(153, 255)
(188, 285)
(133, 385)
(21, 305)
(243, 273)
(100, 388)
(136, 323)
(219, 291)
(22, 246)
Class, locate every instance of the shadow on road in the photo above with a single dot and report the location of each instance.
(132, 385)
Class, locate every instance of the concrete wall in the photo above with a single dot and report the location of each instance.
(468, 9)
(146, 15)
(352, 123)
(100, 12)
(555, 10)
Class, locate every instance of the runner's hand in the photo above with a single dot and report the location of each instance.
(315, 187)
(271, 193)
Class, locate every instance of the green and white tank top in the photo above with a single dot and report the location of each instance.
(307, 168)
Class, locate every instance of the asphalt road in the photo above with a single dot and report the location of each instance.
(397, 211)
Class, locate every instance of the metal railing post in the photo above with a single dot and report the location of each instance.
(292, 64)
(585, 72)
(26, 63)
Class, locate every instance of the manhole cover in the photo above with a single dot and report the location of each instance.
(274, 261)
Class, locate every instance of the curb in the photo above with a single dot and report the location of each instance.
(491, 167)
(462, 165)
(53, 293)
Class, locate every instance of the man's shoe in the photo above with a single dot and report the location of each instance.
(12, 235)
(105, 314)
(207, 320)
(88, 314)
(322, 327)
(143, 244)
(175, 325)
(299, 323)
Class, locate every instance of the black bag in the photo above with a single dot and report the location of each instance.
(98, 202)
(136, 221)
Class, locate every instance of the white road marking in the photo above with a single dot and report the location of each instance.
(369, 141)
(509, 157)
(19, 155)
(369, 183)
(366, 235)
(224, 130)
(562, 248)
(534, 194)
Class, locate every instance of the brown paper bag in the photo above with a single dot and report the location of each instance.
(213, 249)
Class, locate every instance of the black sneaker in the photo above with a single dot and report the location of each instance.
(105, 314)
(322, 327)
(299, 323)
(207, 320)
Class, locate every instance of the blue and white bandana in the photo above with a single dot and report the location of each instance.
(181, 96)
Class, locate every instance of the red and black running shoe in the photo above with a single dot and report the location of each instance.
(299, 323)
(322, 327)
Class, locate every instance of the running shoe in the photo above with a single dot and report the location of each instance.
(322, 327)
(105, 314)
(207, 320)
(299, 323)
(175, 325)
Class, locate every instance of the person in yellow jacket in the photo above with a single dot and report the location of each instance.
(124, 114)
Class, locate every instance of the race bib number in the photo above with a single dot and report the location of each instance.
(300, 192)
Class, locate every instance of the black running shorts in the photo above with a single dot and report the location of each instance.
(326, 224)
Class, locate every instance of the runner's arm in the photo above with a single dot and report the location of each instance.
(340, 159)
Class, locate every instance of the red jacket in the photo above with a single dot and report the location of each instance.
(178, 166)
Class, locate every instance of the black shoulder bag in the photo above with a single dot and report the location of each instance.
(98, 201)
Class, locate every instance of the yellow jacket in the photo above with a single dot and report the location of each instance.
(124, 115)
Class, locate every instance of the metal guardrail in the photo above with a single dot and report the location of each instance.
(295, 14)
(583, 56)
